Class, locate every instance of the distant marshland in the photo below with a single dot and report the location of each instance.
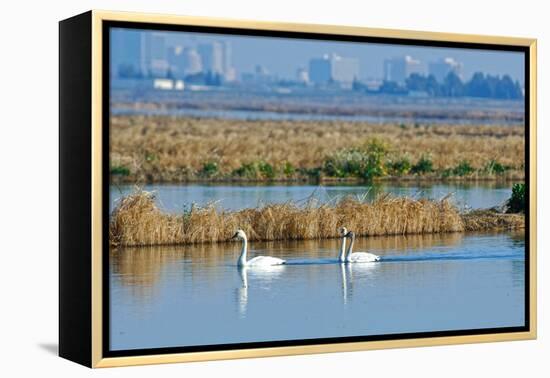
(155, 149)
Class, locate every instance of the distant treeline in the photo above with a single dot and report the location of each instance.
(480, 85)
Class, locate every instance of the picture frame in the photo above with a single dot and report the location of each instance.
(84, 119)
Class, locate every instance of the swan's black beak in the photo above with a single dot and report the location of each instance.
(349, 234)
(234, 237)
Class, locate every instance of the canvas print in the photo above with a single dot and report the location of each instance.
(281, 190)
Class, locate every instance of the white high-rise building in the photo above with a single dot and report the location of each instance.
(192, 61)
(184, 61)
(302, 75)
(344, 70)
(398, 69)
(229, 72)
(333, 68)
(441, 68)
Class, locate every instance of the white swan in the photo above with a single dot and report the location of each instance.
(358, 257)
(342, 255)
(256, 261)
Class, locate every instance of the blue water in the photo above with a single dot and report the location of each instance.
(262, 115)
(175, 198)
(196, 295)
(227, 103)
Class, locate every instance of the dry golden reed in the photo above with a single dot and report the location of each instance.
(164, 149)
(489, 220)
(137, 221)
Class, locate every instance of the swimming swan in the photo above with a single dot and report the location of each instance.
(342, 255)
(256, 261)
(358, 257)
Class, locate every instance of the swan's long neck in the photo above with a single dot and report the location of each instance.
(242, 257)
(350, 248)
(342, 256)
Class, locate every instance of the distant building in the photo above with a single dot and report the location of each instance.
(320, 71)
(126, 52)
(138, 54)
(302, 75)
(168, 84)
(398, 69)
(154, 62)
(192, 62)
(176, 61)
(229, 72)
(344, 70)
(333, 68)
(216, 59)
(260, 76)
(212, 57)
(441, 68)
(184, 61)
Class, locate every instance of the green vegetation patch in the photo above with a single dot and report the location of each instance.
(365, 162)
(423, 165)
(209, 169)
(119, 170)
(516, 203)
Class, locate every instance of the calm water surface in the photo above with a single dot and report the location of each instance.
(196, 295)
(175, 198)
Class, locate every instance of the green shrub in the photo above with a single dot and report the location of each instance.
(399, 166)
(209, 169)
(312, 173)
(288, 169)
(266, 170)
(344, 163)
(516, 203)
(423, 165)
(120, 170)
(365, 162)
(493, 167)
(447, 172)
(246, 170)
(463, 169)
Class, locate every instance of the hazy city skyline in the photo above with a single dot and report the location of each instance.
(284, 56)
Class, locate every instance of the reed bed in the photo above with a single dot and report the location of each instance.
(481, 220)
(137, 221)
(177, 149)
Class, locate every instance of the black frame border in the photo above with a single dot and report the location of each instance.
(105, 77)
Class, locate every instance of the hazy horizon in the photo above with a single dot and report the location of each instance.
(283, 56)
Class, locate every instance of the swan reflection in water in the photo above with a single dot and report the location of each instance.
(353, 274)
(260, 277)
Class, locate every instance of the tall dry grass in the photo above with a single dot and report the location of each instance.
(164, 149)
(138, 221)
